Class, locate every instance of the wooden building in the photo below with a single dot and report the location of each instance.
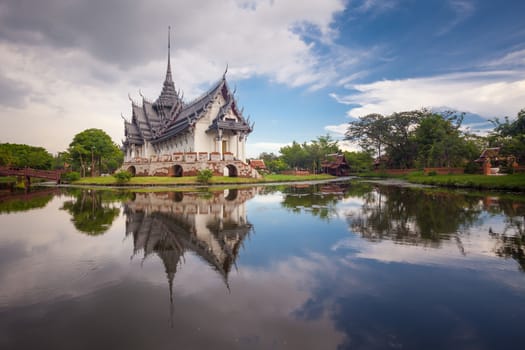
(336, 165)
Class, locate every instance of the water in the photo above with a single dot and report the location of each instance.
(350, 266)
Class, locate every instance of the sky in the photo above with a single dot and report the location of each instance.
(300, 68)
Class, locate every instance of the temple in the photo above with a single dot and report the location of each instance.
(168, 137)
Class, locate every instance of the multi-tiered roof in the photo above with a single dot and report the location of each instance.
(169, 116)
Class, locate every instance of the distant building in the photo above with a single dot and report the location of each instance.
(258, 164)
(172, 138)
(336, 165)
(489, 154)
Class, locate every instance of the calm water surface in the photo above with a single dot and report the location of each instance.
(335, 266)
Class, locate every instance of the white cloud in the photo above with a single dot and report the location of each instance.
(514, 58)
(256, 148)
(79, 80)
(489, 94)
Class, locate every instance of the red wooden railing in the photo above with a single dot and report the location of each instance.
(29, 173)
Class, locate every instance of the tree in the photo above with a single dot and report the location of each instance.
(510, 136)
(309, 155)
(20, 156)
(273, 162)
(359, 161)
(441, 143)
(93, 149)
(369, 132)
(294, 155)
(317, 150)
(393, 134)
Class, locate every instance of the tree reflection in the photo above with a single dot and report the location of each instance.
(21, 201)
(92, 211)
(510, 242)
(320, 199)
(412, 216)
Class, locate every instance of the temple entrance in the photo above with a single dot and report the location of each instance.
(230, 170)
(132, 170)
(177, 171)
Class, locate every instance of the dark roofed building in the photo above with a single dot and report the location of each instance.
(336, 165)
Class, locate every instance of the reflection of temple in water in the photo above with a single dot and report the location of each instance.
(211, 225)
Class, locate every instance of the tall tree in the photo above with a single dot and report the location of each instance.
(94, 149)
(392, 134)
(369, 132)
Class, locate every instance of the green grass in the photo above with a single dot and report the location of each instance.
(7, 179)
(192, 180)
(515, 182)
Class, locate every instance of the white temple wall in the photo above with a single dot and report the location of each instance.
(204, 142)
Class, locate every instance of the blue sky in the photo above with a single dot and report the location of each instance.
(302, 68)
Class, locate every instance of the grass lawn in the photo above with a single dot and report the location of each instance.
(7, 179)
(514, 182)
(192, 180)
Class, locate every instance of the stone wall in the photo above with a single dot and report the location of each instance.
(189, 164)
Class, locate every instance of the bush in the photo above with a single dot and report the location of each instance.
(123, 176)
(432, 173)
(204, 176)
(472, 168)
(70, 176)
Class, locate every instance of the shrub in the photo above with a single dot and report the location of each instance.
(123, 176)
(70, 176)
(472, 168)
(432, 173)
(204, 176)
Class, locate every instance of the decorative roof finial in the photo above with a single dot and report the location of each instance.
(168, 71)
(225, 71)
(168, 96)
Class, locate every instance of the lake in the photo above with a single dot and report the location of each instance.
(327, 266)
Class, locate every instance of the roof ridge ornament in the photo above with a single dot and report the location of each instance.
(168, 70)
(225, 71)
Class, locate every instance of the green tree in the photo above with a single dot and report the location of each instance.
(20, 155)
(370, 132)
(317, 150)
(359, 161)
(93, 149)
(393, 134)
(440, 142)
(294, 155)
(309, 155)
(510, 136)
(273, 162)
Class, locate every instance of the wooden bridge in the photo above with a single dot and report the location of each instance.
(28, 173)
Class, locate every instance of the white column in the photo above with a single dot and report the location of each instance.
(243, 149)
